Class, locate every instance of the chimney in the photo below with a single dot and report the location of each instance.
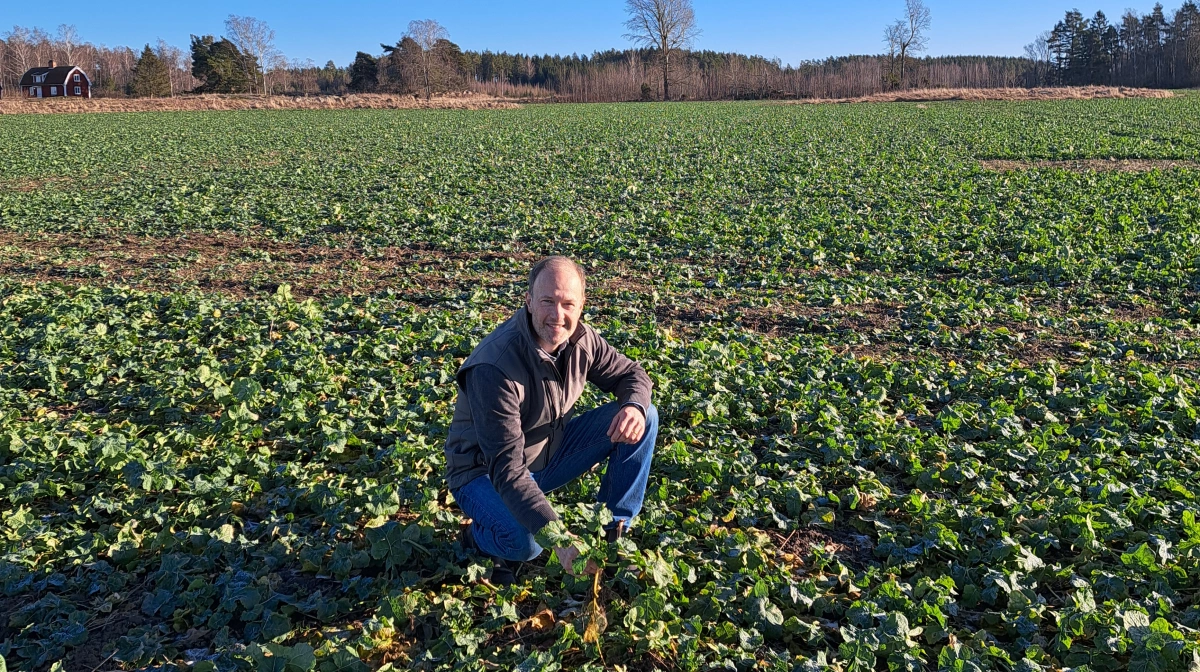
(52, 63)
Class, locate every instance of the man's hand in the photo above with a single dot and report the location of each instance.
(628, 425)
(566, 556)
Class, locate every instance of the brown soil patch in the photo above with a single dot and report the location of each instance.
(243, 265)
(1086, 165)
(253, 264)
(102, 639)
(1006, 94)
(374, 101)
(27, 185)
(851, 548)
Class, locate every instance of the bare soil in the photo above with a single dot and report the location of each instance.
(252, 263)
(375, 101)
(853, 549)
(1013, 94)
(1086, 165)
(242, 265)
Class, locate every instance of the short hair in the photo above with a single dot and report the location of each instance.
(556, 262)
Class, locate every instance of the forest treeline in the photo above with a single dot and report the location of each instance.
(1158, 49)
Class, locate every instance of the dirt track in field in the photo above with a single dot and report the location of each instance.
(1085, 165)
(245, 265)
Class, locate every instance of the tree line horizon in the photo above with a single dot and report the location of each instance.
(1160, 49)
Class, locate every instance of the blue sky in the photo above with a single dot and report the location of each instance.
(791, 30)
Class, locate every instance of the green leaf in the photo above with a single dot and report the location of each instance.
(1141, 557)
(764, 616)
(342, 661)
(279, 658)
(390, 543)
(1147, 660)
(1137, 625)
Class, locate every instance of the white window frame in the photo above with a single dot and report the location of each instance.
(54, 91)
(78, 90)
(37, 79)
(77, 77)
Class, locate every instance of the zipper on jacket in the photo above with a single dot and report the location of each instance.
(555, 404)
(557, 407)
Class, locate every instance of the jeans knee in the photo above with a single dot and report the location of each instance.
(522, 549)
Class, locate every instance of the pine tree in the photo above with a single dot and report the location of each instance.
(150, 76)
(364, 73)
(220, 66)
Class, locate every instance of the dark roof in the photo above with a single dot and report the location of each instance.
(54, 76)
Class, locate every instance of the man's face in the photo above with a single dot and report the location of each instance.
(555, 304)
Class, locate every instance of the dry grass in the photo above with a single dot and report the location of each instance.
(1085, 165)
(1056, 93)
(375, 101)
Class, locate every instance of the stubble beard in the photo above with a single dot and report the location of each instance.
(548, 334)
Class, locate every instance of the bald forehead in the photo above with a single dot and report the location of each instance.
(557, 266)
(557, 277)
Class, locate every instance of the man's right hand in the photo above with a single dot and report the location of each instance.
(566, 557)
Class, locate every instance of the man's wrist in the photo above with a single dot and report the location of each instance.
(635, 405)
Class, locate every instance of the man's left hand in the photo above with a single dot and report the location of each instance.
(628, 425)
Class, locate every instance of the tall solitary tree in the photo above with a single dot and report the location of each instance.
(151, 78)
(909, 34)
(667, 26)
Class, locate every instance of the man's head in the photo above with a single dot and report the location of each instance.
(555, 300)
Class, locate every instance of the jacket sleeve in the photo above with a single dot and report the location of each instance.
(617, 374)
(496, 414)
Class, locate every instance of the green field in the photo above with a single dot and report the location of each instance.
(929, 381)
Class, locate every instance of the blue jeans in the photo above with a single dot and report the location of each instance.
(585, 444)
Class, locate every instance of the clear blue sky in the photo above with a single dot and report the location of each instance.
(791, 30)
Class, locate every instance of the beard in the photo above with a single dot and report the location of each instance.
(555, 336)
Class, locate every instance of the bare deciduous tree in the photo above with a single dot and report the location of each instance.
(255, 38)
(20, 53)
(68, 43)
(665, 25)
(907, 35)
(178, 64)
(427, 33)
(891, 36)
(1038, 51)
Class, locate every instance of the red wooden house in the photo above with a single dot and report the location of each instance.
(56, 81)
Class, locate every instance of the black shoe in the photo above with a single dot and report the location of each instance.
(612, 534)
(467, 539)
(504, 572)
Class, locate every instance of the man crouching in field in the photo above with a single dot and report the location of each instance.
(513, 437)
